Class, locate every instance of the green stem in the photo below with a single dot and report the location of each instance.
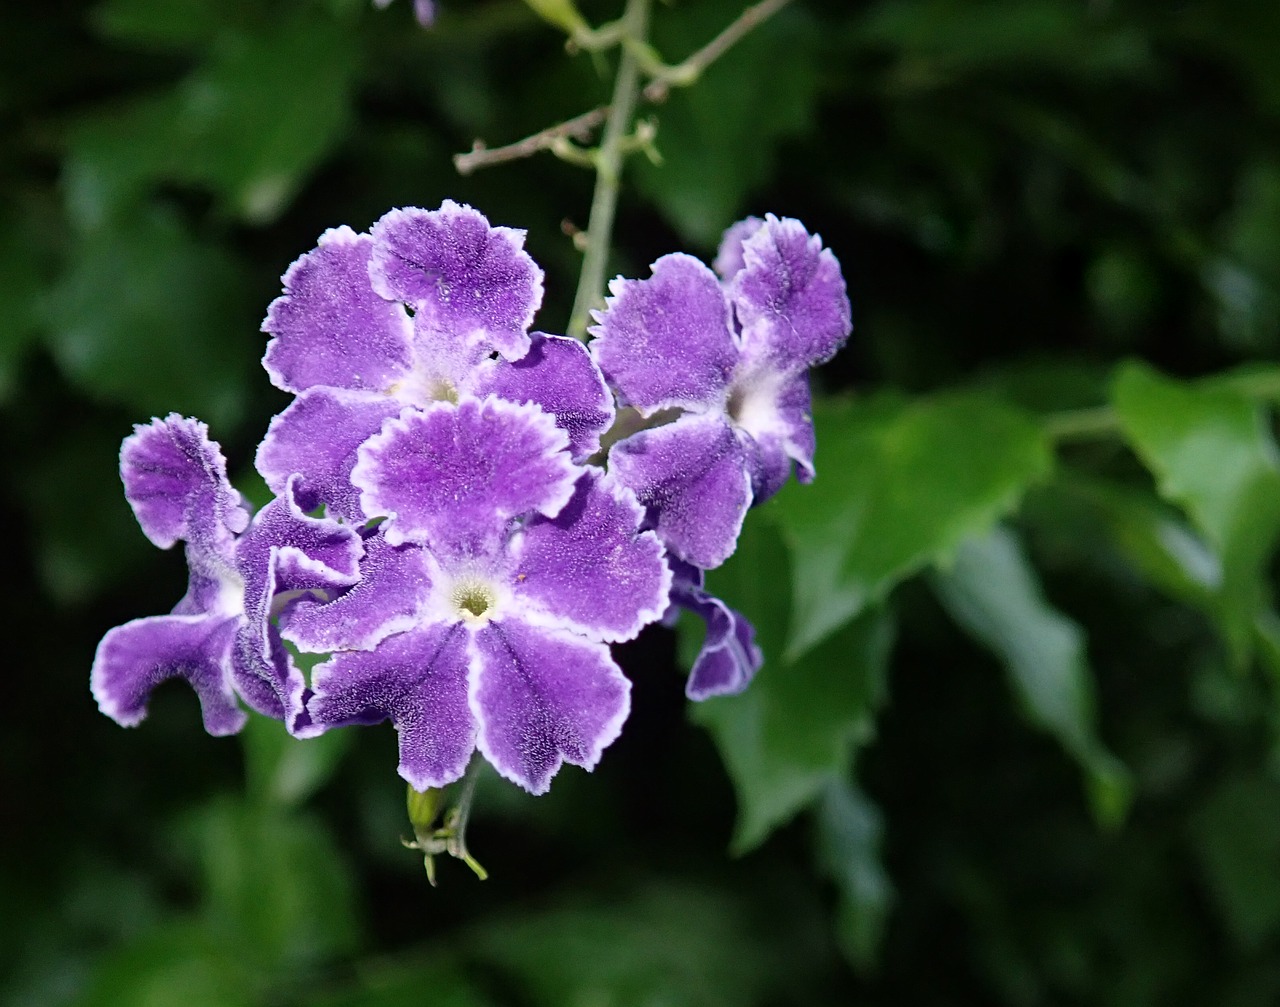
(1101, 422)
(609, 158)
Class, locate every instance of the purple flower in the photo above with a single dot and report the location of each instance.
(729, 357)
(428, 307)
(488, 597)
(219, 637)
(729, 657)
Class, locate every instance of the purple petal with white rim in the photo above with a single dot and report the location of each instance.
(460, 275)
(394, 586)
(543, 697)
(418, 681)
(728, 261)
(451, 474)
(175, 479)
(329, 327)
(729, 657)
(316, 437)
(590, 568)
(692, 477)
(559, 375)
(284, 550)
(135, 658)
(790, 297)
(776, 412)
(665, 342)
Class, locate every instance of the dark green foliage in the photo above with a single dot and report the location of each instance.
(1015, 741)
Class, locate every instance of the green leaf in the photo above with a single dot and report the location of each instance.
(149, 318)
(850, 837)
(282, 770)
(718, 137)
(276, 891)
(795, 728)
(993, 592)
(1239, 845)
(441, 981)
(674, 946)
(900, 485)
(250, 123)
(174, 964)
(1209, 447)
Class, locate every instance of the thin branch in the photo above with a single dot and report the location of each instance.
(580, 128)
(609, 157)
(685, 73)
(665, 77)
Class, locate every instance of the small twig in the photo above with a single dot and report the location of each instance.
(604, 202)
(685, 73)
(580, 127)
(664, 78)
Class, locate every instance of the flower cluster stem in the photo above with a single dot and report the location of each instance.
(609, 158)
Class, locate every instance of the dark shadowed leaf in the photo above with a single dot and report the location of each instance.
(994, 593)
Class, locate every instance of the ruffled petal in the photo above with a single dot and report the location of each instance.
(559, 375)
(418, 681)
(790, 297)
(590, 568)
(543, 697)
(175, 479)
(776, 413)
(453, 475)
(134, 658)
(316, 437)
(460, 275)
(329, 327)
(394, 586)
(665, 342)
(728, 262)
(284, 550)
(729, 657)
(692, 477)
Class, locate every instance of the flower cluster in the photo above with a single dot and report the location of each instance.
(446, 527)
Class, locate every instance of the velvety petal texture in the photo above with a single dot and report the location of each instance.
(330, 327)
(449, 474)
(316, 438)
(542, 698)
(790, 297)
(693, 479)
(175, 479)
(459, 274)
(419, 681)
(664, 342)
(729, 657)
(394, 587)
(729, 354)
(590, 568)
(135, 658)
(559, 375)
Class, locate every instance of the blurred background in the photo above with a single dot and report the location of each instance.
(1034, 762)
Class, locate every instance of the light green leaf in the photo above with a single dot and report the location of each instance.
(796, 726)
(850, 836)
(900, 485)
(993, 592)
(180, 963)
(1209, 447)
